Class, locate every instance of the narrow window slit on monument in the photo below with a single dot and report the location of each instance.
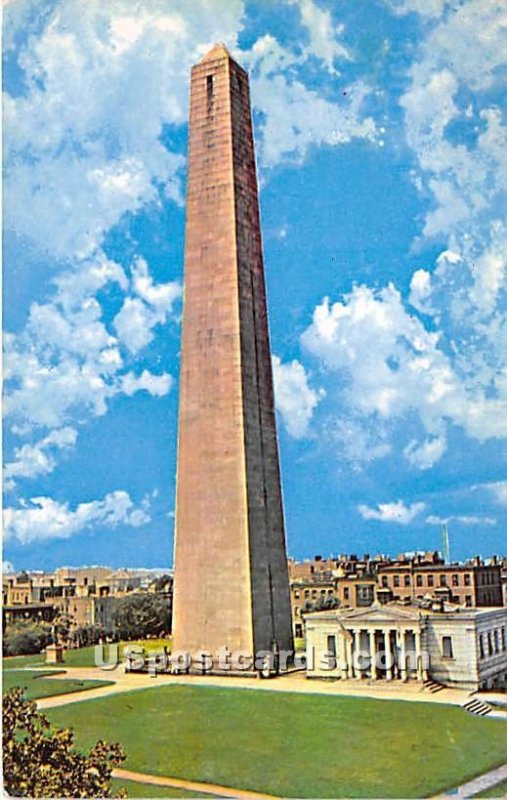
(209, 89)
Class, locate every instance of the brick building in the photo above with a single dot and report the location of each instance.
(354, 582)
(87, 595)
(474, 584)
(307, 595)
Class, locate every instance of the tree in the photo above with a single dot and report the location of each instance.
(40, 761)
(26, 637)
(87, 635)
(321, 604)
(142, 615)
(162, 583)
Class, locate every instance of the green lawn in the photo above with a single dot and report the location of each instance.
(85, 656)
(135, 789)
(500, 790)
(18, 662)
(38, 687)
(293, 745)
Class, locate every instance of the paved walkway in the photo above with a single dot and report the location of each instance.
(192, 786)
(294, 682)
(487, 781)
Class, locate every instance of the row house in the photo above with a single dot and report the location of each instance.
(473, 585)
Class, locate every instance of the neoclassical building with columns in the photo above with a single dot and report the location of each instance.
(450, 645)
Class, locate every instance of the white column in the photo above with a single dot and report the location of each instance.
(344, 661)
(388, 655)
(403, 657)
(350, 654)
(373, 660)
(418, 655)
(360, 660)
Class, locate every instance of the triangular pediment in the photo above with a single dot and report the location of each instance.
(380, 613)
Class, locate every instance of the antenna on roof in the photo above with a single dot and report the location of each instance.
(445, 544)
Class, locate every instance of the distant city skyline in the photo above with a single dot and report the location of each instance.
(9, 567)
(381, 150)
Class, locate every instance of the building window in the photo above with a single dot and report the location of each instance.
(497, 646)
(330, 591)
(447, 647)
(419, 580)
(467, 579)
(396, 580)
(490, 644)
(443, 580)
(431, 580)
(468, 601)
(455, 580)
(307, 593)
(502, 636)
(296, 595)
(364, 595)
(346, 593)
(385, 581)
(481, 646)
(299, 631)
(407, 580)
(296, 611)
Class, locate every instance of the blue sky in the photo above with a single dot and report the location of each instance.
(381, 145)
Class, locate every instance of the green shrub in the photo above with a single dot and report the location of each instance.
(25, 638)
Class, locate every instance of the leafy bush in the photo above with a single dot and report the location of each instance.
(40, 761)
(25, 638)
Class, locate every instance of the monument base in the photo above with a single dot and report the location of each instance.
(54, 654)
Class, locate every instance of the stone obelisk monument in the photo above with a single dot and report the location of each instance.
(231, 583)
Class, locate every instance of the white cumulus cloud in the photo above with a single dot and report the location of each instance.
(156, 385)
(43, 518)
(66, 361)
(150, 306)
(389, 367)
(39, 458)
(324, 36)
(295, 399)
(396, 512)
(296, 117)
(88, 164)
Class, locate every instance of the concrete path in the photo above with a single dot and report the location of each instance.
(127, 682)
(468, 790)
(487, 781)
(191, 786)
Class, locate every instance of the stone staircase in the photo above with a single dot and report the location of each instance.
(432, 686)
(477, 707)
